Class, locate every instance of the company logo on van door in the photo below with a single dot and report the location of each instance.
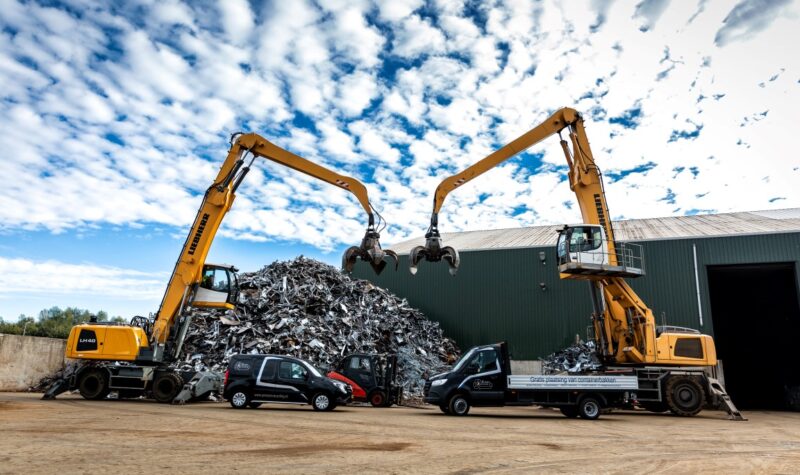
(482, 384)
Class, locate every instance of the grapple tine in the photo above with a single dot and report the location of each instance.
(349, 258)
(390, 253)
(452, 258)
(414, 257)
(377, 266)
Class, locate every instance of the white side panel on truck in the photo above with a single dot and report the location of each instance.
(567, 382)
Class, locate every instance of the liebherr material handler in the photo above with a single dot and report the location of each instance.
(672, 364)
(146, 349)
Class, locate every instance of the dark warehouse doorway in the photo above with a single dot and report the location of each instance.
(756, 315)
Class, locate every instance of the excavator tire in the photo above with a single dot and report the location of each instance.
(94, 384)
(684, 395)
(166, 386)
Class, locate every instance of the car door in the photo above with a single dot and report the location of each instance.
(293, 376)
(485, 378)
(269, 386)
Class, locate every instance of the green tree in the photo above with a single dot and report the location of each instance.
(53, 322)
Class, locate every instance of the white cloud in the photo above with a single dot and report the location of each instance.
(23, 276)
(399, 94)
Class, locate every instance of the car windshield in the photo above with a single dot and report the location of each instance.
(462, 361)
(312, 369)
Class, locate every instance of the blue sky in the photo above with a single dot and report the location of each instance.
(115, 118)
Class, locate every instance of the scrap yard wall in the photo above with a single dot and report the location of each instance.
(24, 360)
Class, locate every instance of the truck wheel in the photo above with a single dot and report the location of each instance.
(459, 406)
(589, 408)
(685, 396)
(166, 386)
(94, 384)
(254, 405)
(569, 411)
(239, 400)
(377, 398)
(322, 402)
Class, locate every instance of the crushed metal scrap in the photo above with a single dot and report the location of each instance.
(311, 310)
(577, 358)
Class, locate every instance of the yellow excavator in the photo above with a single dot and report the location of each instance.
(674, 365)
(136, 359)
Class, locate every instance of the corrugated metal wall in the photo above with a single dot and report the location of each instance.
(496, 294)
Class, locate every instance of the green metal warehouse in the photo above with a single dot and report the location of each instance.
(733, 276)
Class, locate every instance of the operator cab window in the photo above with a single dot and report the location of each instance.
(585, 239)
(215, 279)
(290, 370)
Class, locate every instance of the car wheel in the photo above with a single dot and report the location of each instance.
(684, 395)
(94, 384)
(254, 405)
(589, 408)
(322, 402)
(239, 399)
(377, 398)
(459, 405)
(569, 411)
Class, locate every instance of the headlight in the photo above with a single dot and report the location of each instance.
(342, 387)
(438, 382)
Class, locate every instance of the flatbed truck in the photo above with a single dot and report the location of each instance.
(482, 378)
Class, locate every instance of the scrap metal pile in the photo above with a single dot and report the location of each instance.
(577, 358)
(311, 310)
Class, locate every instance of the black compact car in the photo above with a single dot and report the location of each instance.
(255, 379)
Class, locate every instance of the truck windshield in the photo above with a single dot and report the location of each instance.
(464, 358)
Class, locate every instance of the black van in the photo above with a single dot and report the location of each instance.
(255, 379)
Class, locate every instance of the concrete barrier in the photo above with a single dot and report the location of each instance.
(24, 360)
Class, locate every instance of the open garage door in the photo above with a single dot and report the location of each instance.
(756, 315)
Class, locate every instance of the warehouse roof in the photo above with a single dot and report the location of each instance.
(676, 227)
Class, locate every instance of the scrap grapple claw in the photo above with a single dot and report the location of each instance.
(370, 251)
(433, 251)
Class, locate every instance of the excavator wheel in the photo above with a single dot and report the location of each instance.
(377, 398)
(94, 384)
(166, 386)
(684, 395)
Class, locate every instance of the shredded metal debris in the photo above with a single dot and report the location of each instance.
(577, 358)
(311, 310)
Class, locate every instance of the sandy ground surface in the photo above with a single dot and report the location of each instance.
(71, 435)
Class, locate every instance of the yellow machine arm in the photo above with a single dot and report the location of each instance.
(218, 200)
(624, 325)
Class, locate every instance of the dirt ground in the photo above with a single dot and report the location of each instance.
(71, 435)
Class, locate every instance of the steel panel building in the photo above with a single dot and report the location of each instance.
(730, 275)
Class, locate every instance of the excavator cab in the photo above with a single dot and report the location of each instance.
(582, 253)
(218, 288)
(583, 243)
